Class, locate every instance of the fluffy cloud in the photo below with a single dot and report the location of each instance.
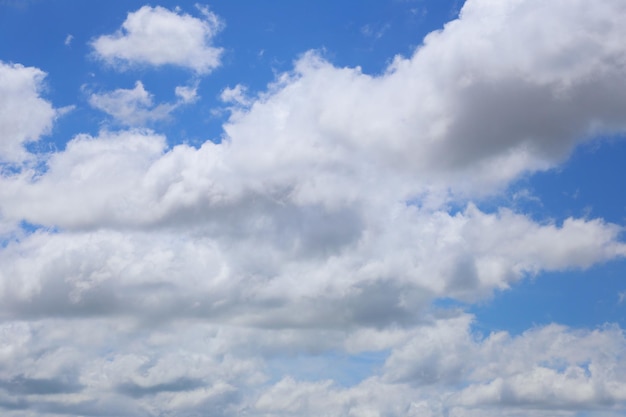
(187, 367)
(546, 371)
(550, 367)
(24, 115)
(488, 97)
(368, 260)
(171, 280)
(158, 36)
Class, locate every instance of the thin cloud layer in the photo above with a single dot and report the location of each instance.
(132, 107)
(157, 36)
(151, 280)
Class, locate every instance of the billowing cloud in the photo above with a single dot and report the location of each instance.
(248, 250)
(176, 280)
(188, 367)
(544, 371)
(488, 97)
(158, 36)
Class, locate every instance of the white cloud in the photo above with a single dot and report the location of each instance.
(166, 280)
(135, 107)
(185, 367)
(547, 371)
(352, 259)
(24, 115)
(157, 36)
(130, 107)
(235, 95)
(422, 115)
(187, 93)
(291, 198)
(68, 40)
(549, 367)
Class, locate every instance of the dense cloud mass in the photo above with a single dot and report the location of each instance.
(141, 279)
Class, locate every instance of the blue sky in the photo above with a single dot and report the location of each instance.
(375, 208)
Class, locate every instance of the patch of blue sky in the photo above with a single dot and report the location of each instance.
(343, 369)
(24, 228)
(367, 33)
(588, 186)
(589, 298)
(32, 228)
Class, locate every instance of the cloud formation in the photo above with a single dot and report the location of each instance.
(157, 36)
(135, 107)
(153, 280)
(24, 115)
(488, 97)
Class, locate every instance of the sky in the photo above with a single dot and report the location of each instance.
(359, 208)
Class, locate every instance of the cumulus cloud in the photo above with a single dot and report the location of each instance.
(547, 371)
(350, 256)
(326, 275)
(24, 115)
(157, 36)
(187, 367)
(165, 280)
(488, 97)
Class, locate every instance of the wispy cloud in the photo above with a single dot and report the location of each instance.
(135, 107)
